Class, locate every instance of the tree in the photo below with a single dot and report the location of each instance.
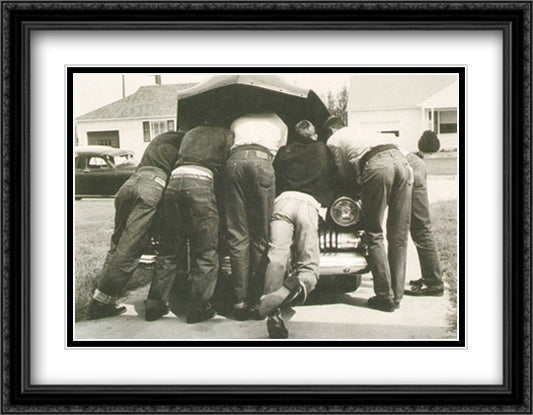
(338, 104)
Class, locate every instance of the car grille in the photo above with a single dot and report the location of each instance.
(331, 240)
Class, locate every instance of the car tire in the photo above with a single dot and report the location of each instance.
(340, 283)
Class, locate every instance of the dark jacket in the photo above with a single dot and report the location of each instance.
(162, 152)
(206, 146)
(306, 166)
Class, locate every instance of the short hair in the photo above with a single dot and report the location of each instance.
(333, 122)
(302, 126)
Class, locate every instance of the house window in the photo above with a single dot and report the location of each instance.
(445, 122)
(152, 129)
(146, 131)
(448, 122)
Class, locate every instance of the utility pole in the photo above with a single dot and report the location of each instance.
(123, 87)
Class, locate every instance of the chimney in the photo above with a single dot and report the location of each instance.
(157, 79)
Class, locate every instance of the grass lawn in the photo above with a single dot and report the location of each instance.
(94, 226)
(444, 219)
(441, 165)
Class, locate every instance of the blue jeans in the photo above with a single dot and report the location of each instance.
(250, 193)
(387, 182)
(294, 224)
(190, 212)
(135, 207)
(421, 230)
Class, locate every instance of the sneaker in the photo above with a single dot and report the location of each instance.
(276, 327)
(382, 304)
(197, 316)
(154, 310)
(97, 310)
(425, 291)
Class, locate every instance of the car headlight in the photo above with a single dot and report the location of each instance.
(345, 211)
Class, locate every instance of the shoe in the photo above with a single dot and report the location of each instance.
(256, 315)
(416, 283)
(382, 304)
(425, 291)
(197, 316)
(279, 298)
(276, 327)
(97, 310)
(154, 310)
(241, 314)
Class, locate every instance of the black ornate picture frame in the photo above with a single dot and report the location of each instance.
(20, 19)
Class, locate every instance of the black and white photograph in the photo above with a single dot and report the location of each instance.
(267, 206)
(260, 207)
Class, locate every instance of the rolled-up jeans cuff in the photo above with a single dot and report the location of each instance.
(291, 283)
(102, 297)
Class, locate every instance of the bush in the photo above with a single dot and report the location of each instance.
(429, 142)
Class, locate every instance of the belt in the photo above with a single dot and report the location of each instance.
(155, 170)
(373, 151)
(253, 150)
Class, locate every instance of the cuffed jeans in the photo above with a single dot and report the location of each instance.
(387, 181)
(294, 224)
(250, 185)
(190, 212)
(135, 207)
(421, 229)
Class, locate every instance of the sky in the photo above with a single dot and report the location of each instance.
(94, 90)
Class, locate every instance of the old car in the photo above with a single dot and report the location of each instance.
(101, 170)
(342, 246)
(225, 97)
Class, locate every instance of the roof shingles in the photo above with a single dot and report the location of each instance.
(147, 101)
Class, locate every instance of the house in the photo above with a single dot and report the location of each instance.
(404, 106)
(132, 122)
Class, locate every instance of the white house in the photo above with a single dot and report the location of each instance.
(132, 122)
(405, 106)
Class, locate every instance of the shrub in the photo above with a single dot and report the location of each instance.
(429, 142)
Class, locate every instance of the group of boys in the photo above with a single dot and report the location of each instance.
(273, 194)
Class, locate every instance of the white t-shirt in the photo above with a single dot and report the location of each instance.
(267, 130)
(354, 145)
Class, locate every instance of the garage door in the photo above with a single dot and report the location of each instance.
(103, 138)
(375, 129)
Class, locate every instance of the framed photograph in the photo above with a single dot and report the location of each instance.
(268, 207)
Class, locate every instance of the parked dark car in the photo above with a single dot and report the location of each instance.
(101, 170)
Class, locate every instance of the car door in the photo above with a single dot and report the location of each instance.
(98, 176)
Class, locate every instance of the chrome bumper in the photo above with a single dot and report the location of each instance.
(342, 263)
(331, 263)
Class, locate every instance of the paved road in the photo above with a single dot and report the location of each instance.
(341, 316)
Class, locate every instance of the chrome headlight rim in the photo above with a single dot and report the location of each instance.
(356, 207)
